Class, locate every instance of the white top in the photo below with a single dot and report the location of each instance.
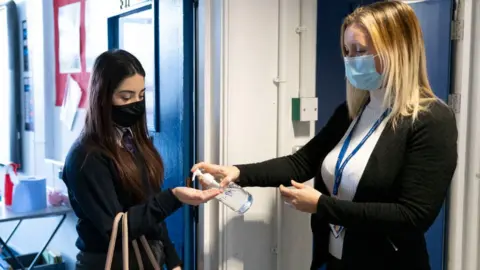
(353, 171)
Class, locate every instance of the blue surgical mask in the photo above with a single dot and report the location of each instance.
(361, 72)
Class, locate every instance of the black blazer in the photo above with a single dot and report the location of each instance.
(398, 198)
(97, 195)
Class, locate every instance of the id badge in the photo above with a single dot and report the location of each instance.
(336, 230)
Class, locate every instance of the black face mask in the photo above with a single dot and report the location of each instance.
(128, 115)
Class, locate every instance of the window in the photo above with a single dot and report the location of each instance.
(136, 35)
(9, 85)
(5, 91)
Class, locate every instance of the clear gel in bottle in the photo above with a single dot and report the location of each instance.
(233, 196)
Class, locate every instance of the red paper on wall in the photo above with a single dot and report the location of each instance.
(81, 77)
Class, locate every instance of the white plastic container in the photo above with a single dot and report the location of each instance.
(233, 196)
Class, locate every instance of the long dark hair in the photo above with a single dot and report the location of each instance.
(109, 71)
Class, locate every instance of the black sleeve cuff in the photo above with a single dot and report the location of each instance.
(172, 260)
(176, 202)
(171, 257)
(242, 180)
(322, 205)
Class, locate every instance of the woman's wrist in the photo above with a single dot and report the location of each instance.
(174, 192)
(237, 172)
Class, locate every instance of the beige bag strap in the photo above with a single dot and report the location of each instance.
(113, 239)
(125, 253)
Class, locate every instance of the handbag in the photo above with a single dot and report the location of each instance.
(125, 240)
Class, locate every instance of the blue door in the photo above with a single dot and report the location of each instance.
(160, 34)
(435, 18)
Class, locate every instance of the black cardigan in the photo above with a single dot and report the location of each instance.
(399, 195)
(96, 196)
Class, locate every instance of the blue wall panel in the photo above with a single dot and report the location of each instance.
(174, 141)
(435, 18)
(330, 70)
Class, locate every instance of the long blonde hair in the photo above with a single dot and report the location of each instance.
(397, 37)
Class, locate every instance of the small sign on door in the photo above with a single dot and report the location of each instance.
(130, 3)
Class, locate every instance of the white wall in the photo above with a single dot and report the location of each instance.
(463, 234)
(244, 46)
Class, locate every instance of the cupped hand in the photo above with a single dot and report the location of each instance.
(193, 196)
(226, 173)
(302, 197)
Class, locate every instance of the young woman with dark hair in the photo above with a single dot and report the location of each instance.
(113, 167)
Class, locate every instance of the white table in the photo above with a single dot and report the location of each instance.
(6, 216)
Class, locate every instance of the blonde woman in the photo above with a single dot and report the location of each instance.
(385, 159)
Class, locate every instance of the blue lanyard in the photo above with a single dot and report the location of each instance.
(340, 166)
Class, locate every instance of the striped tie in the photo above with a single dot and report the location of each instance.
(127, 141)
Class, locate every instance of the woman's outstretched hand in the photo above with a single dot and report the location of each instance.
(194, 196)
(226, 173)
(302, 197)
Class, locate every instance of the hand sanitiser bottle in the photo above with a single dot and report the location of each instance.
(233, 196)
